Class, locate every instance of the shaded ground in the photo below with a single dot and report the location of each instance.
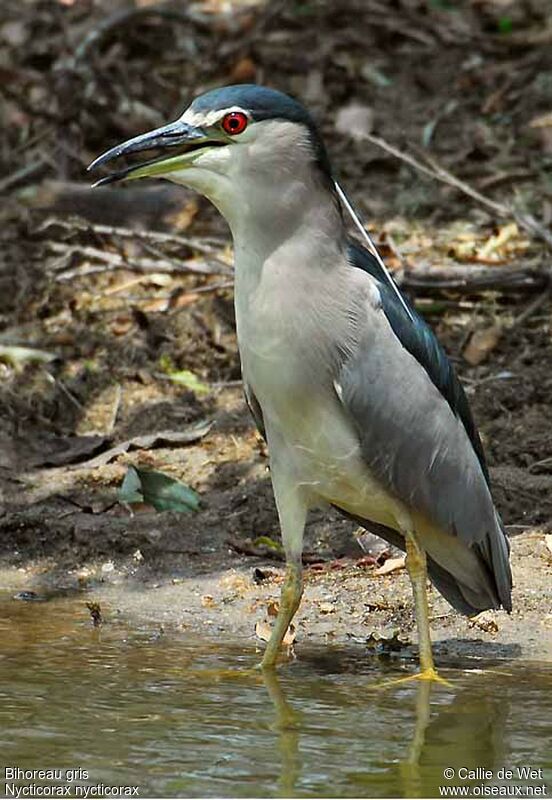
(122, 317)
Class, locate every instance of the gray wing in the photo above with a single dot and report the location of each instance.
(418, 447)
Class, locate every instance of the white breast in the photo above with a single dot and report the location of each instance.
(289, 361)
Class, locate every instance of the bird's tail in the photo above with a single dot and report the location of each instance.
(489, 559)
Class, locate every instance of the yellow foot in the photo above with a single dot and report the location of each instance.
(429, 674)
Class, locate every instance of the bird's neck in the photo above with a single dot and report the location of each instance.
(299, 221)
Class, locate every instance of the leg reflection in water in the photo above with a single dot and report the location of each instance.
(467, 731)
(286, 725)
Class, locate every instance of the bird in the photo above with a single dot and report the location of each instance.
(359, 405)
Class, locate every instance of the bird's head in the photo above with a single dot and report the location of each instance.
(239, 146)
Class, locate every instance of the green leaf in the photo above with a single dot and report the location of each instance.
(375, 76)
(190, 381)
(505, 25)
(158, 490)
(268, 542)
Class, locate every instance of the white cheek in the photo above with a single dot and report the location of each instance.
(209, 176)
(206, 183)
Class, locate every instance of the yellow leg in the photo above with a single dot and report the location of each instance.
(417, 571)
(292, 591)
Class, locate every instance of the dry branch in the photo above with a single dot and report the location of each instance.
(436, 171)
(117, 261)
(467, 279)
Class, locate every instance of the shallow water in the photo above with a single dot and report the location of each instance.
(180, 716)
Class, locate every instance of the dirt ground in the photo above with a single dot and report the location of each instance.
(120, 291)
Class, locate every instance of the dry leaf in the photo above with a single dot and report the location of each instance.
(485, 622)
(482, 343)
(391, 565)
(388, 640)
(184, 216)
(504, 235)
(244, 71)
(263, 632)
(355, 120)
(236, 583)
(272, 608)
(121, 325)
(542, 121)
(548, 541)
(208, 601)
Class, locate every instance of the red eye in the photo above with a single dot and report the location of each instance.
(234, 122)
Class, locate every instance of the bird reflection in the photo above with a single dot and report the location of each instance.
(287, 726)
(466, 732)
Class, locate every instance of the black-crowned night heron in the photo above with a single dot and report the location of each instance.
(359, 404)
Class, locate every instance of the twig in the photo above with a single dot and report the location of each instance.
(532, 38)
(123, 17)
(190, 242)
(531, 307)
(438, 172)
(22, 173)
(155, 251)
(209, 287)
(117, 261)
(466, 279)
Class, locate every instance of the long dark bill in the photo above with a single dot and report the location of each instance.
(176, 134)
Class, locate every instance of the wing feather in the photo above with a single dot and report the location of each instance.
(418, 438)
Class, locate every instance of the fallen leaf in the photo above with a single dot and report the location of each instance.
(375, 76)
(121, 325)
(184, 216)
(481, 344)
(62, 450)
(313, 91)
(391, 565)
(494, 243)
(387, 641)
(548, 541)
(15, 33)
(376, 604)
(191, 433)
(236, 583)
(18, 356)
(208, 601)
(244, 71)
(542, 121)
(158, 490)
(355, 120)
(372, 545)
(190, 381)
(484, 621)
(272, 608)
(365, 561)
(266, 541)
(263, 632)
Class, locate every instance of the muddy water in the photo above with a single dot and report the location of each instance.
(175, 715)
